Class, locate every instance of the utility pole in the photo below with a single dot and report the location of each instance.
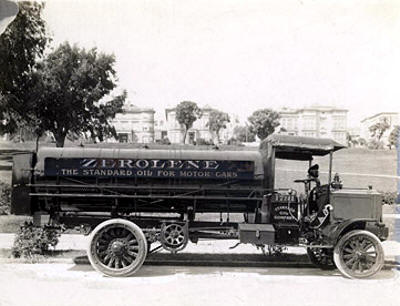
(247, 140)
(398, 167)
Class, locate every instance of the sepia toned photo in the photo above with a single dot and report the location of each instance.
(190, 152)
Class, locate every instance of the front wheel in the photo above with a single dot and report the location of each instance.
(117, 247)
(359, 254)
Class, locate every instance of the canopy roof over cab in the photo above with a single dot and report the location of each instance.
(299, 147)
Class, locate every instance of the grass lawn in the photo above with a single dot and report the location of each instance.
(11, 223)
(356, 167)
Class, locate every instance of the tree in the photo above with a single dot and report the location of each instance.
(187, 113)
(71, 86)
(21, 45)
(394, 136)
(243, 134)
(362, 142)
(375, 144)
(351, 140)
(263, 122)
(378, 129)
(217, 121)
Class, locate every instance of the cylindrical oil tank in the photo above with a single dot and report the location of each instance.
(145, 180)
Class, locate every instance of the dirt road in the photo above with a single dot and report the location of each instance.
(68, 284)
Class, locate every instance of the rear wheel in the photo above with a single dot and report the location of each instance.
(117, 247)
(359, 254)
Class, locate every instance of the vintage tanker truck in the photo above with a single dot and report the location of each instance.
(134, 201)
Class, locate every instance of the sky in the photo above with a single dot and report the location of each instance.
(243, 55)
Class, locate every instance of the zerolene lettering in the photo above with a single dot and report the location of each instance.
(169, 168)
(157, 164)
(175, 164)
(193, 164)
(211, 164)
(142, 164)
(88, 163)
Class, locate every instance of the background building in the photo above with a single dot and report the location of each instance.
(160, 130)
(198, 133)
(315, 121)
(391, 117)
(136, 124)
(226, 134)
(199, 130)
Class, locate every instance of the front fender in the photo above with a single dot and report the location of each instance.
(333, 232)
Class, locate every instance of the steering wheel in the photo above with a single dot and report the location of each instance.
(304, 181)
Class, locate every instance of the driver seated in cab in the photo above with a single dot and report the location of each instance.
(319, 194)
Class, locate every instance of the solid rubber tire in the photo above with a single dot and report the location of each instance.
(123, 272)
(340, 264)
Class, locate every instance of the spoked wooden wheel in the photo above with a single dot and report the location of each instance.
(174, 237)
(321, 258)
(117, 247)
(359, 254)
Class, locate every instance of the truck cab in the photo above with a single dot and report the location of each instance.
(339, 226)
